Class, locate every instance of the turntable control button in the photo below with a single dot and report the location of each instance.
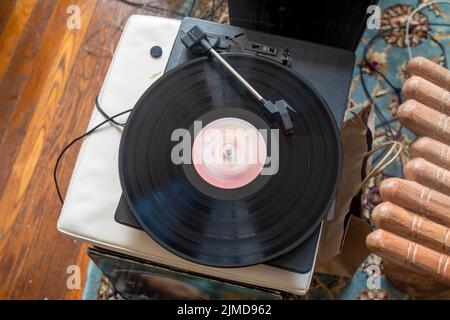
(156, 51)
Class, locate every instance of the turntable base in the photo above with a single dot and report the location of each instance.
(305, 58)
(94, 191)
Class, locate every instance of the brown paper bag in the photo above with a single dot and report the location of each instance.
(342, 246)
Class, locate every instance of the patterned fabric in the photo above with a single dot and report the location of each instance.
(387, 54)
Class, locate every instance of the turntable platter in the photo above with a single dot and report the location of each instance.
(231, 213)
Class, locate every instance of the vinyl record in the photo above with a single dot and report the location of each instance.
(207, 214)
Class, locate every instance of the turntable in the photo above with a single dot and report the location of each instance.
(260, 231)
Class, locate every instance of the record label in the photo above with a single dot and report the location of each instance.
(229, 153)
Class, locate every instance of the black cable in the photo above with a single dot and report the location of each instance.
(397, 90)
(371, 67)
(55, 170)
(441, 46)
(372, 101)
(431, 37)
(104, 114)
(363, 83)
(386, 124)
(388, 121)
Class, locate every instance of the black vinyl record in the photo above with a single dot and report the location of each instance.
(229, 227)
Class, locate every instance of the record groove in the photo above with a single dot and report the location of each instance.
(235, 227)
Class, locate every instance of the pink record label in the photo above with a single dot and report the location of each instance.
(229, 153)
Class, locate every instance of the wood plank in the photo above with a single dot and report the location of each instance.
(11, 33)
(70, 121)
(29, 174)
(82, 260)
(52, 90)
(47, 94)
(24, 79)
(5, 12)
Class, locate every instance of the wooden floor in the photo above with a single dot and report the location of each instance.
(49, 78)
